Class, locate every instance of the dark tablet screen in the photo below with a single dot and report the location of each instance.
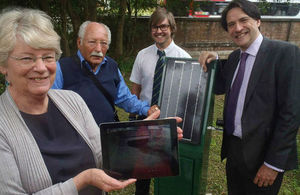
(140, 149)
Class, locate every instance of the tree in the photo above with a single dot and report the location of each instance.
(67, 15)
(120, 29)
(178, 7)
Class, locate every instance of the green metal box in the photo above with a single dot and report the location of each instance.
(193, 150)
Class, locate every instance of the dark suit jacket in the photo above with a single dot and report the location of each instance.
(271, 115)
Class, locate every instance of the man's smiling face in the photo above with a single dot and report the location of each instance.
(162, 38)
(242, 29)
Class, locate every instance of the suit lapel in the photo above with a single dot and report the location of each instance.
(232, 63)
(259, 66)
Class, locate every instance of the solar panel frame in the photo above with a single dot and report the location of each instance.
(183, 93)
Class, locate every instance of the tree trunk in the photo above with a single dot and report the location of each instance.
(75, 19)
(44, 5)
(120, 30)
(64, 33)
(92, 10)
(129, 8)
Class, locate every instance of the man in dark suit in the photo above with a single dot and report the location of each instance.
(261, 81)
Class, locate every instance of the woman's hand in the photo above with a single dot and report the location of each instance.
(156, 114)
(98, 178)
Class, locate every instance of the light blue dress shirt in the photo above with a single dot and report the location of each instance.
(125, 99)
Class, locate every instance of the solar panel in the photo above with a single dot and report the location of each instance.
(183, 93)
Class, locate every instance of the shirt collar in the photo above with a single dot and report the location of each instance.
(104, 61)
(169, 48)
(254, 47)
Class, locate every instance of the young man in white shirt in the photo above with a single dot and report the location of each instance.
(162, 28)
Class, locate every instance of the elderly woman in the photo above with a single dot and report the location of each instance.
(49, 141)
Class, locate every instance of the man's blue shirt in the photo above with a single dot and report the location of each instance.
(126, 100)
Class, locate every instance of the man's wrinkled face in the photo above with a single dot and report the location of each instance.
(94, 44)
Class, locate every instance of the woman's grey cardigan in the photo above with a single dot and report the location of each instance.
(22, 169)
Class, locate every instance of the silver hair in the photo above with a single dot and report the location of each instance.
(82, 30)
(33, 26)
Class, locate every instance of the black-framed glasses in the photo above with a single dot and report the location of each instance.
(30, 60)
(163, 27)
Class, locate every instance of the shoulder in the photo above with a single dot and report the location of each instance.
(65, 59)
(69, 102)
(7, 107)
(146, 55)
(280, 52)
(65, 96)
(234, 56)
(111, 61)
(69, 64)
(110, 67)
(234, 53)
(150, 50)
(278, 45)
(177, 51)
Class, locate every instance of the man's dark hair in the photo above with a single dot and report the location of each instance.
(248, 7)
(159, 15)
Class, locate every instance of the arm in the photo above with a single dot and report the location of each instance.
(287, 116)
(129, 102)
(206, 57)
(11, 181)
(155, 115)
(99, 179)
(93, 177)
(136, 90)
(286, 121)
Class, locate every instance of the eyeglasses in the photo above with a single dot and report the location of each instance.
(93, 43)
(163, 27)
(29, 61)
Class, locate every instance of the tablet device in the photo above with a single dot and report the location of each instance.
(140, 149)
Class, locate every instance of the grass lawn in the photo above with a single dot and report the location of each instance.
(216, 180)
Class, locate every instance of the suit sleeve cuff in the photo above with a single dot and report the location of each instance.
(274, 168)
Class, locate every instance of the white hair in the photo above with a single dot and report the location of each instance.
(82, 30)
(33, 26)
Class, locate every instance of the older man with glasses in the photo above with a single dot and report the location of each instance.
(96, 77)
(149, 62)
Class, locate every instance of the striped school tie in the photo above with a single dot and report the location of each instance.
(157, 77)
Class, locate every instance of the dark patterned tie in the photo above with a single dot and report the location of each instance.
(157, 77)
(233, 96)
